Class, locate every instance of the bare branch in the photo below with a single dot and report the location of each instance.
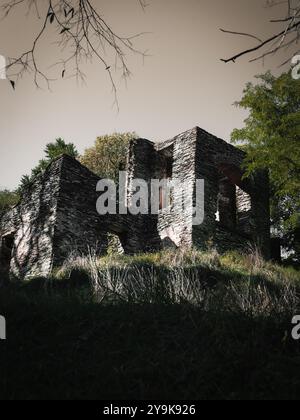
(280, 39)
(83, 34)
(242, 34)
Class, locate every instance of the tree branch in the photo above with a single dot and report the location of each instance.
(82, 34)
(293, 27)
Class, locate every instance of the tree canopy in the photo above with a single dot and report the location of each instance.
(271, 137)
(7, 200)
(108, 156)
(52, 151)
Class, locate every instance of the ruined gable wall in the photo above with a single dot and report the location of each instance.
(79, 229)
(176, 227)
(207, 150)
(9, 222)
(146, 161)
(141, 230)
(211, 154)
(36, 215)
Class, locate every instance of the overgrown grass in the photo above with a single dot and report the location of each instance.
(235, 282)
(171, 325)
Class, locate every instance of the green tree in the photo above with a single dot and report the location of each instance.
(58, 148)
(271, 137)
(7, 200)
(108, 155)
(52, 152)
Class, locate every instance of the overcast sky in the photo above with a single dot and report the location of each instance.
(180, 85)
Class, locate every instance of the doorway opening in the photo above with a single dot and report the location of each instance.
(6, 251)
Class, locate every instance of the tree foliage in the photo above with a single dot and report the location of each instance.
(7, 200)
(58, 148)
(108, 155)
(52, 152)
(271, 137)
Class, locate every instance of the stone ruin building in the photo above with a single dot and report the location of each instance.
(57, 214)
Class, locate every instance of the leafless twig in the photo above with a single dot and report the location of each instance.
(288, 36)
(83, 34)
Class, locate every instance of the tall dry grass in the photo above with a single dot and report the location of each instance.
(231, 282)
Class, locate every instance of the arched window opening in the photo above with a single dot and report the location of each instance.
(226, 207)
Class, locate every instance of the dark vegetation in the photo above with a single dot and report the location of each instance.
(165, 326)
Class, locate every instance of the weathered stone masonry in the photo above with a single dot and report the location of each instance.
(57, 215)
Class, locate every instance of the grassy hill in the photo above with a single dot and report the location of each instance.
(171, 325)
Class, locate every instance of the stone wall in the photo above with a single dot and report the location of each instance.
(32, 225)
(176, 227)
(79, 229)
(141, 230)
(57, 216)
(220, 165)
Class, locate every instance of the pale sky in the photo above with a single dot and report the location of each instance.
(180, 85)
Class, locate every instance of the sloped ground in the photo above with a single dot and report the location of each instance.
(163, 326)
